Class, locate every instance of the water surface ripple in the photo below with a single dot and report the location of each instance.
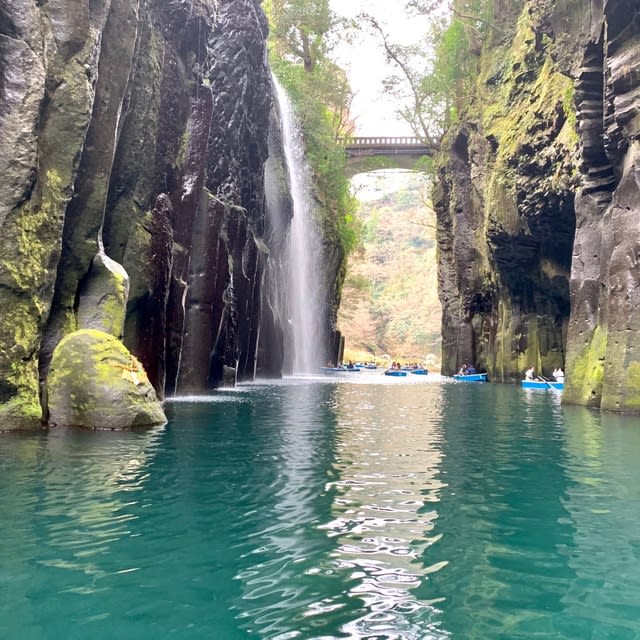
(328, 509)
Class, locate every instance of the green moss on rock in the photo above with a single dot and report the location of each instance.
(585, 372)
(95, 382)
(103, 296)
(632, 388)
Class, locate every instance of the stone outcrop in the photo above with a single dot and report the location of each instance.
(603, 361)
(145, 123)
(93, 380)
(538, 204)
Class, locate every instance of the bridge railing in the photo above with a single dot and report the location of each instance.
(378, 141)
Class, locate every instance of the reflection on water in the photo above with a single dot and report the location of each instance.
(602, 499)
(387, 463)
(328, 509)
(66, 498)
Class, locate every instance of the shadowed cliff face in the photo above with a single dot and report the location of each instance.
(603, 363)
(538, 205)
(149, 120)
(505, 210)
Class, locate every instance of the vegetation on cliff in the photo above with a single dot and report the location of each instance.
(487, 87)
(299, 53)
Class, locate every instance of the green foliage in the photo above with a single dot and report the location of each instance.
(358, 282)
(299, 29)
(390, 303)
(435, 76)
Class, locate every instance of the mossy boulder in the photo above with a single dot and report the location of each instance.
(95, 382)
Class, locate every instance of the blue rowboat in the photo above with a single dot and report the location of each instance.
(471, 377)
(542, 384)
(419, 372)
(395, 372)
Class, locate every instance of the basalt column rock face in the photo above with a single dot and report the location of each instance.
(504, 201)
(603, 363)
(145, 123)
(223, 301)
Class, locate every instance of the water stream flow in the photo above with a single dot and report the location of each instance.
(304, 309)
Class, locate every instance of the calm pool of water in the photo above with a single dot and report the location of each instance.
(370, 509)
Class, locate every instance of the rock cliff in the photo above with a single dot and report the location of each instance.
(536, 202)
(146, 121)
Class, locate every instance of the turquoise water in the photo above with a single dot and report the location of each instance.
(373, 509)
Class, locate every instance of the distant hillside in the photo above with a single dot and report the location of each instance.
(390, 301)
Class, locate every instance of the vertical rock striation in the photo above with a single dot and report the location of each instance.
(603, 363)
(505, 207)
(48, 62)
(147, 123)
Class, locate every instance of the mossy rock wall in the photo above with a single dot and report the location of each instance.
(603, 357)
(539, 200)
(47, 58)
(154, 116)
(505, 209)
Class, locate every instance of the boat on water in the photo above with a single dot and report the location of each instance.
(396, 373)
(470, 377)
(419, 372)
(542, 384)
(340, 369)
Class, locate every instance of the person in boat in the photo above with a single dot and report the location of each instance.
(350, 365)
(464, 370)
(471, 370)
(330, 365)
(558, 374)
(530, 373)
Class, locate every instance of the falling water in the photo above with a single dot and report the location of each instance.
(305, 310)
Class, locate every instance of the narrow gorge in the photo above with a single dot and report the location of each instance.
(145, 209)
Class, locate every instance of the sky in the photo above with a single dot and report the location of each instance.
(366, 66)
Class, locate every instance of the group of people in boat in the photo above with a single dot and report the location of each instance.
(397, 366)
(467, 370)
(530, 374)
(342, 365)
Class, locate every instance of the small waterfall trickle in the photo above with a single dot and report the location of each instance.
(304, 333)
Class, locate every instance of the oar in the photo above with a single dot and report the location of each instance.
(547, 381)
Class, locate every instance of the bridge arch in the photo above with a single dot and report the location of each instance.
(369, 153)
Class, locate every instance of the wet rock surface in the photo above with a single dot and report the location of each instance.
(146, 121)
(603, 362)
(94, 382)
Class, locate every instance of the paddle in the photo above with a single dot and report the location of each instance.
(547, 381)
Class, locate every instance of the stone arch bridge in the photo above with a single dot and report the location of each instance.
(383, 152)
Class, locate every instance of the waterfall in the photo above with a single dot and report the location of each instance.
(304, 344)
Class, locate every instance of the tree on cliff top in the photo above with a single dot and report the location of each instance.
(433, 76)
(299, 28)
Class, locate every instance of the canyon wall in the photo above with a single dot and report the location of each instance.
(537, 201)
(144, 123)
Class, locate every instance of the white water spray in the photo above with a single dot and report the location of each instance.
(305, 251)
